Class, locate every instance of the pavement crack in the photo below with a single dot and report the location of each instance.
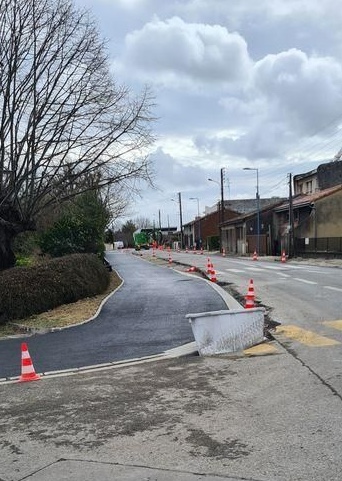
(303, 363)
(166, 470)
(48, 465)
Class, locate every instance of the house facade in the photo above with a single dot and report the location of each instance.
(205, 231)
(325, 176)
(317, 223)
(311, 223)
(240, 235)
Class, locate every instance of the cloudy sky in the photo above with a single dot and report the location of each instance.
(237, 84)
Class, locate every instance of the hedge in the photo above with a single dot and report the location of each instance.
(25, 291)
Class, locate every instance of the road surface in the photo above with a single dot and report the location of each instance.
(145, 316)
(304, 298)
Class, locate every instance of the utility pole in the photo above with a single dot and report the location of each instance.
(220, 204)
(291, 220)
(257, 205)
(258, 213)
(180, 218)
(222, 195)
(198, 221)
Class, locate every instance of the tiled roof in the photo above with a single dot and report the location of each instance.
(248, 215)
(305, 199)
(246, 206)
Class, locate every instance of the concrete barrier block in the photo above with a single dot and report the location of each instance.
(219, 332)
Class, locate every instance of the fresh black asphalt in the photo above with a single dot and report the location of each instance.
(145, 316)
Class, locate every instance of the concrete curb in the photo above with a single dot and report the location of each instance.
(32, 330)
(181, 351)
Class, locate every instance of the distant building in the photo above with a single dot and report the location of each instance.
(208, 231)
(317, 223)
(325, 176)
(315, 214)
(239, 235)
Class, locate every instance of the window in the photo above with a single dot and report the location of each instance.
(308, 185)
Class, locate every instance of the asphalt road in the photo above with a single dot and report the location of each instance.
(300, 292)
(303, 296)
(145, 316)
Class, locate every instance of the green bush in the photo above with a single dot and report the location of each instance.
(31, 290)
(79, 229)
(71, 235)
(24, 261)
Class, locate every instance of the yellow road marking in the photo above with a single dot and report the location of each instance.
(334, 324)
(308, 338)
(260, 350)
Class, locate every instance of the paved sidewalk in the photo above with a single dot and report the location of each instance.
(191, 418)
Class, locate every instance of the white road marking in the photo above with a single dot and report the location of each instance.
(304, 280)
(235, 270)
(315, 272)
(333, 288)
(256, 269)
(291, 266)
(276, 268)
(282, 274)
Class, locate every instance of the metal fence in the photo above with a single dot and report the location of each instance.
(319, 246)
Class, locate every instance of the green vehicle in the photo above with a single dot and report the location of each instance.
(143, 238)
(146, 238)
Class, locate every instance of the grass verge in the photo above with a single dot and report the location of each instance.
(65, 315)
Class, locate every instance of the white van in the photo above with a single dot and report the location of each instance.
(118, 245)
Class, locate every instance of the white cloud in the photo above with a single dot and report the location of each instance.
(173, 51)
(237, 83)
(290, 96)
(306, 92)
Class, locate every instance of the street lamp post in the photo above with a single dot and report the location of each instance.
(221, 212)
(180, 217)
(258, 206)
(199, 220)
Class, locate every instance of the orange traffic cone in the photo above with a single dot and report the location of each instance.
(27, 370)
(202, 251)
(208, 265)
(250, 296)
(213, 274)
(170, 258)
(255, 256)
(283, 257)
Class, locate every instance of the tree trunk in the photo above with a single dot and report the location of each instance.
(7, 257)
(11, 224)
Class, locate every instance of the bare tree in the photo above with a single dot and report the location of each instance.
(143, 222)
(63, 119)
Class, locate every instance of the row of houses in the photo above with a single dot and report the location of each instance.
(307, 223)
